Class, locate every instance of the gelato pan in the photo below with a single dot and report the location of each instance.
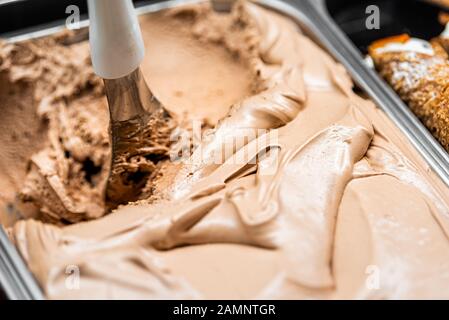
(274, 179)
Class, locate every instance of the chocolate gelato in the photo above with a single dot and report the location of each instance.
(298, 187)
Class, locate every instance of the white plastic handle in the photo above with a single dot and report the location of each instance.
(116, 42)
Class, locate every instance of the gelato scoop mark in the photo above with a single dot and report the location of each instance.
(66, 179)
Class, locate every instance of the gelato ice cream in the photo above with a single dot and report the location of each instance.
(298, 187)
(55, 128)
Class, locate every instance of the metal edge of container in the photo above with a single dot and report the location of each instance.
(312, 17)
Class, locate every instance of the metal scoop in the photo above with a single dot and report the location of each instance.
(117, 50)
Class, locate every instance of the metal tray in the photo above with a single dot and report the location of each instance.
(315, 21)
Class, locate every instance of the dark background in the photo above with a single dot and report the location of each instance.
(414, 17)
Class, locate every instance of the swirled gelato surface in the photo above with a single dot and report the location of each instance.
(299, 189)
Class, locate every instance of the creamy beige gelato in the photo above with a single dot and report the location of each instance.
(299, 188)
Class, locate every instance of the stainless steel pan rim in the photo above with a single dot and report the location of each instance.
(16, 279)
